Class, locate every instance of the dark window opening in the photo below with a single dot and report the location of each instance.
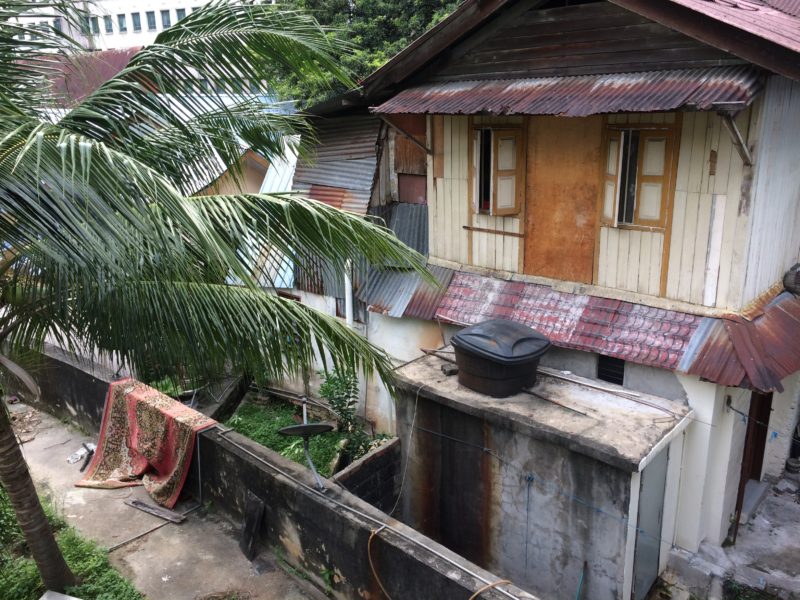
(57, 24)
(108, 23)
(627, 187)
(151, 20)
(95, 25)
(611, 369)
(165, 20)
(122, 23)
(137, 21)
(180, 13)
(485, 171)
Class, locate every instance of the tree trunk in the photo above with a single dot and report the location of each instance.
(16, 480)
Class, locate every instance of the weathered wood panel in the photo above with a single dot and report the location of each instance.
(707, 228)
(571, 40)
(630, 259)
(562, 187)
(775, 207)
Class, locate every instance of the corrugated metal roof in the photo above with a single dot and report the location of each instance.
(775, 20)
(730, 351)
(341, 168)
(76, 76)
(401, 293)
(758, 353)
(584, 95)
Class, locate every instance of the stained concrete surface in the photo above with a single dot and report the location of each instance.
(195, 559)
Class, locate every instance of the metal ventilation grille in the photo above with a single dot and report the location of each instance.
(611, 369)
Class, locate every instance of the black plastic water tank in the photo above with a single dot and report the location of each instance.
(498, 357)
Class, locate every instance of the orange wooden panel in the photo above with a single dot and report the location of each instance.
(562, 188)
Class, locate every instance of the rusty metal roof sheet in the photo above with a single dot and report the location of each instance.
(584, 95)
(759, 353)
(730, 351)
(341, 169)
(76, 76)
(402, 293)
(775, 20)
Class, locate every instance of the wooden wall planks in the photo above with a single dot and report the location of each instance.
(775, 205)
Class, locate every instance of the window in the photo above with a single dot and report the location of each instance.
(58, 24)
(180, 13)
(122, 24)
(165, 21)
(195, 8)
(137, 21)
(611, 369)
(108, 24)
(499, 170)
(95, 25)
(638, 169)
(85, 29)
(151, 20)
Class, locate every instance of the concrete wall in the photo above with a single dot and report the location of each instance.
(322, 534)
(526, 510)
(783, 420)
(375, 478)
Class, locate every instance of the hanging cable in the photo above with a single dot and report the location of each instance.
(489, 586)
(372, 535)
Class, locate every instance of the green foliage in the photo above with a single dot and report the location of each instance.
(261, 422)
(736, 591)
(366, 33)
(340, 389)
(19, 578)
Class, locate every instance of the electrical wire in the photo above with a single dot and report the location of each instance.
(489, 586)
(408, 453)
(372, 535)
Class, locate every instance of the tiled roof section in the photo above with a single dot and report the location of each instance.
(583, 95)
(758, 353)
(633, 332)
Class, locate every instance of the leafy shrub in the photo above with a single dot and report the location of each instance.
(340, 389)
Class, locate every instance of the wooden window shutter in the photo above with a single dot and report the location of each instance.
(508, 171)
(611, 177)
(653, 176)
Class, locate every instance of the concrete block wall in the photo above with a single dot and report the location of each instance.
(782, 421)
(324, 534)
(375, 478)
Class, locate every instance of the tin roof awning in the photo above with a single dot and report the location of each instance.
(718, 88)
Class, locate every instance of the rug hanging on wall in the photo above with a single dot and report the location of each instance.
(146, 438)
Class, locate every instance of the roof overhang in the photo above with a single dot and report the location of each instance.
(715, 88)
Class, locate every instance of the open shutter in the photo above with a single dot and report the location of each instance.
(655, 151)
(508, 171)
(611, 179)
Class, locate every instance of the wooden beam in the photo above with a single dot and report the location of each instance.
(494, 231)
(404, 133)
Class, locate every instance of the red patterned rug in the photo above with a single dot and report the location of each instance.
(146, 438)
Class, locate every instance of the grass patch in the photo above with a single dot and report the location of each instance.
(261, 422)
(19, 578)
(736, 591)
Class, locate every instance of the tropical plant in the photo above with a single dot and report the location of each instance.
(340, 388)
(104, 251)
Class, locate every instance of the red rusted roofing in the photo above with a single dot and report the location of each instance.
(773, 20)
(758, 353)
(729, 351)
(583, 95)
(77, 76)
(640, 334)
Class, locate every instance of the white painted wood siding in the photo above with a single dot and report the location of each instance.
(449, 210)
(775, 205)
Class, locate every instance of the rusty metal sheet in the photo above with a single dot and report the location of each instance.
(76, 76)
(584, 95)
(426, 298)
(777, 21)
(344, 158)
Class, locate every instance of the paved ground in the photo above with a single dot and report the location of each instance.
(197, 559)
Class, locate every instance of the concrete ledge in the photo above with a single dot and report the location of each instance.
(328, 533)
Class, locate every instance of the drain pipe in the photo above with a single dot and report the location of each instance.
(348, 293)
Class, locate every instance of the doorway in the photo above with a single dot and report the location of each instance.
(751, 488)
(648, 525)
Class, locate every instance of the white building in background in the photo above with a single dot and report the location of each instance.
(124, 24)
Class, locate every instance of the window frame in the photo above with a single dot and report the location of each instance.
(166, 19)
(615, 131)
(152, 25)
(180, 14)
(475, 147)
(94, 22)
(108, 24)
(136, 22)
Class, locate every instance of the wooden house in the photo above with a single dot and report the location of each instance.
(623, 176)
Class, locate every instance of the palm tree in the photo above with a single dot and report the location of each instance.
(105, 251)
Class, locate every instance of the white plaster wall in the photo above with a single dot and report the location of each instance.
(740, 400)
(671, 497)
(782, 422)
(701, 489)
